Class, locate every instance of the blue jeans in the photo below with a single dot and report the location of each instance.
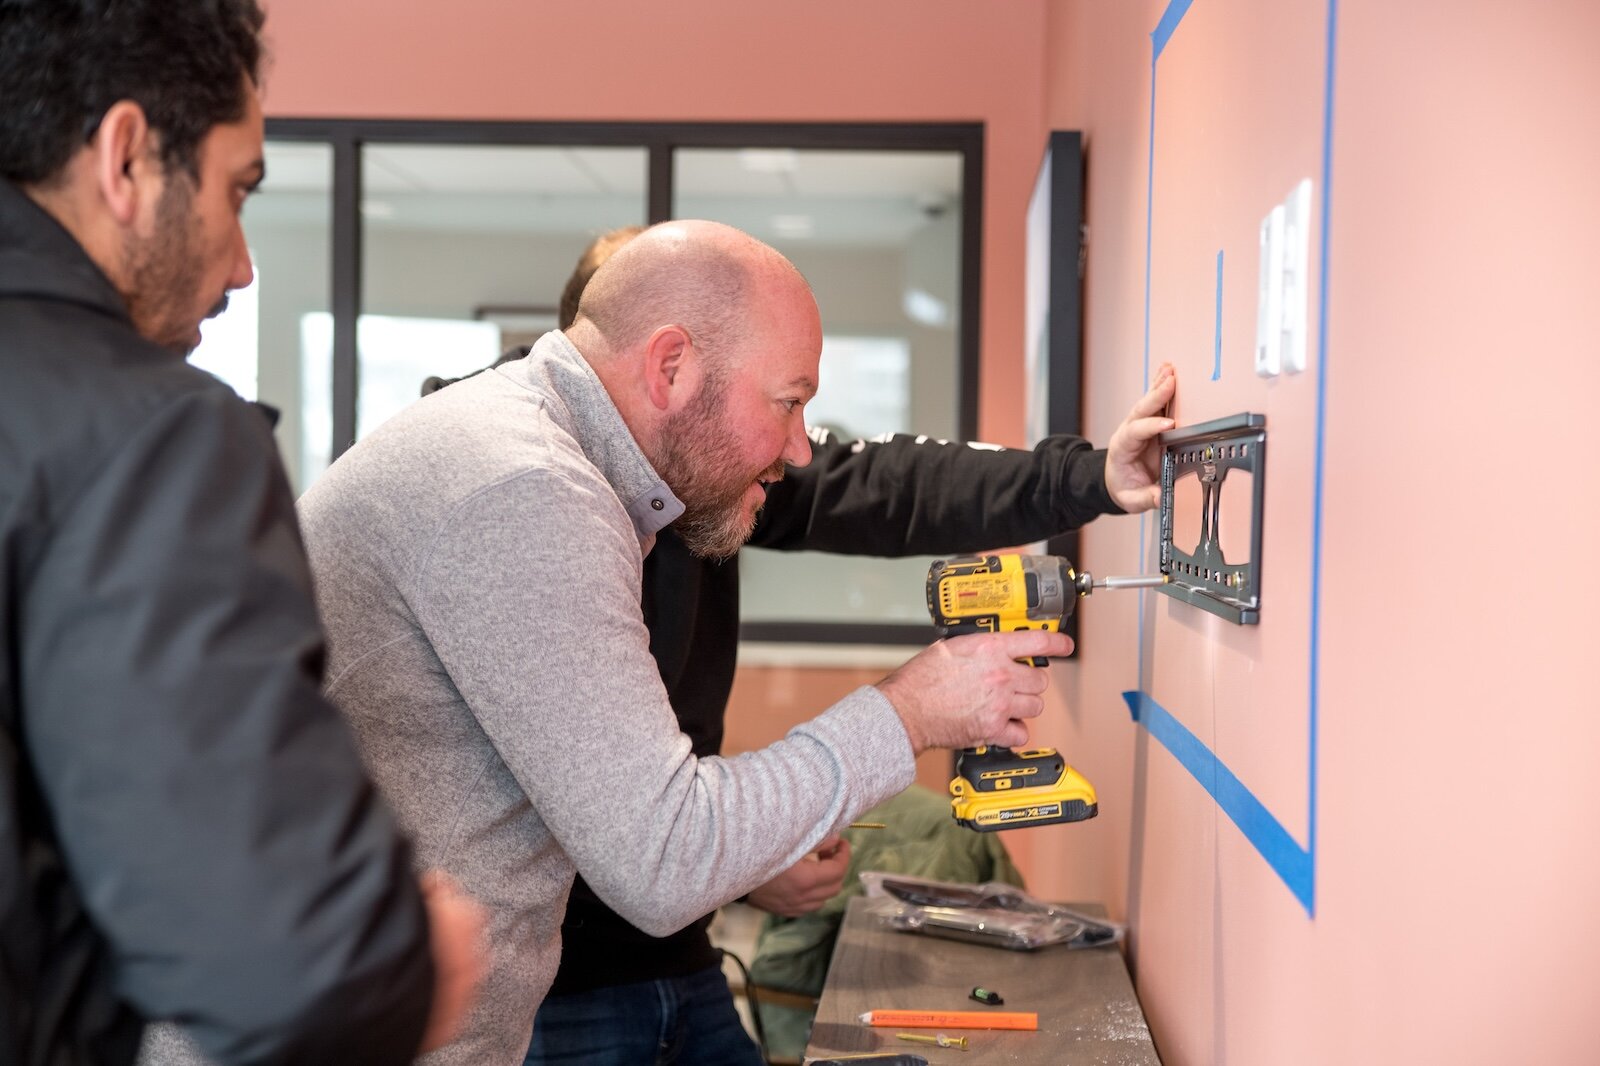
(688, 1020)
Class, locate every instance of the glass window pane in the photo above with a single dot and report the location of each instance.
(395, 353)
(878, 235)
(466, 250)
(255, 345)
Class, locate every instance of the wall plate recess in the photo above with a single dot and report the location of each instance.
(1283, 289)
(1210, 452)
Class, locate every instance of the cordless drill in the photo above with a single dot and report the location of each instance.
(994, 787)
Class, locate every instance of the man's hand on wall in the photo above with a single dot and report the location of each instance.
(1133, 458)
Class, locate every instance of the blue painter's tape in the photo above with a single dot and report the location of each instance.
(1282, 852)
(1149, 220)
(1216, 366)
(1322, 423)
(1296, 865)
(1169, 22)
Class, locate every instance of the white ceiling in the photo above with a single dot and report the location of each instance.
(504, 170)
(826, 197)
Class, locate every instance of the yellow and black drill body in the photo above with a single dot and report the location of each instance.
(1003, 593)
(1001, 788)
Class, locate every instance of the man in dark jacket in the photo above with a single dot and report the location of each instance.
(186, 831)
(624, 998)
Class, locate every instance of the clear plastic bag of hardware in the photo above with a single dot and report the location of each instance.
(994, 913)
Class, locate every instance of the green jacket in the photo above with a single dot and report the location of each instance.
(921, 840)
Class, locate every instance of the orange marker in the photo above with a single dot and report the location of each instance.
(953, 1019)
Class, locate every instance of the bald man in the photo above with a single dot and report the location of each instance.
(478, 562)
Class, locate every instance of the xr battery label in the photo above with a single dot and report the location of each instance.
(967, 594)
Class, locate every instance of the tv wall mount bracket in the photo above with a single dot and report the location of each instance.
(1210, 451)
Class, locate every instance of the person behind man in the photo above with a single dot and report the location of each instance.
(598, 251)
(624, 997)
(478, 561)
(186, 831)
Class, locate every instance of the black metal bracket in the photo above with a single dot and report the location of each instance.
(1208, 451)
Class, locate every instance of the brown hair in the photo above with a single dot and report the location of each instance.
(599, 250)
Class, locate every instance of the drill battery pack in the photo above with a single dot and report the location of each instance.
(999, 788)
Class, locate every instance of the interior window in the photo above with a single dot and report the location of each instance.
(878, 235)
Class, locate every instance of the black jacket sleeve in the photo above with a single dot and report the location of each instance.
(209, 801)
(905, 495)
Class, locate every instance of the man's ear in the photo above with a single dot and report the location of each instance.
(668, 362)
(126, 163)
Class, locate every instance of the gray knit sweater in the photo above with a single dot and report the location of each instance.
(478, 562)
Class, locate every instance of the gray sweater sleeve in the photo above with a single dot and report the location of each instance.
(543, 637)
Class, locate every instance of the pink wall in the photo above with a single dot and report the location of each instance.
(701, 60)
(1455, 884)
(1455, 916)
